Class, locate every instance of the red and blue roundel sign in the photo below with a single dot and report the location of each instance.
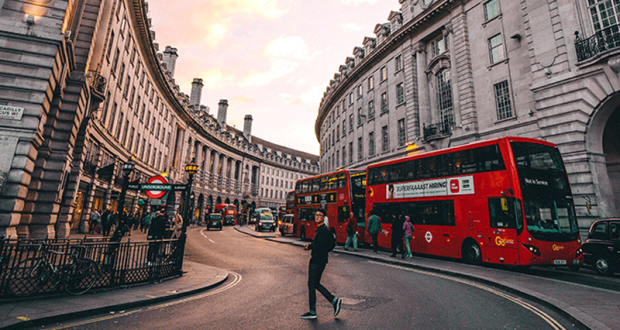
(156, 194)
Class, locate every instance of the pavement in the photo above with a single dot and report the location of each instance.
(590, 307)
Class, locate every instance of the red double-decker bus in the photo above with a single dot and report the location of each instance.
(339, 193)
(503, 201)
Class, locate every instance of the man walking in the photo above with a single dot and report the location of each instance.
(320, 246)
(95, 221)
(351, 232)
(374, 227)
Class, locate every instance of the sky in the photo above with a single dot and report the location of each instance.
(272, 59)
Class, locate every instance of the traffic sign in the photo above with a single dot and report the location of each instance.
(156, 187)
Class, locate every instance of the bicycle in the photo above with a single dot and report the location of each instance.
(33, 274)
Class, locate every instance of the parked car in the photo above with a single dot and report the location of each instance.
(602, 248)
(287, 226)
(214, 220)
(265, 222)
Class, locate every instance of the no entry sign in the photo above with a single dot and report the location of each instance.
(156, 194)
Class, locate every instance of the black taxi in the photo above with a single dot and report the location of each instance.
(602, 248)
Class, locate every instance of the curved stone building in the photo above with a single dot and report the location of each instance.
(83, 89)
(443, 73)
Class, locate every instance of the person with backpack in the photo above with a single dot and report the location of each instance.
(351, 232)
(321, 245)
(408, 228)
(374, 228)
(397, 236)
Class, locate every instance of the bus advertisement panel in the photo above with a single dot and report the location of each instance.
(503, 201)
(339, 193)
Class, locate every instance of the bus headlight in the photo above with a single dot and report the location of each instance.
(532, 249)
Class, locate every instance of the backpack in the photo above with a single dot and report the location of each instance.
(332, 242)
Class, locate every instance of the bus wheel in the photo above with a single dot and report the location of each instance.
(302, 234)
(472, 253)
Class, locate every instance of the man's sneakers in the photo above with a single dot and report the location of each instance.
(337, 303)
(309, 316)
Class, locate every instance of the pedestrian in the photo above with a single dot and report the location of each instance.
(397, 236)
(156, 232)
(95, 219)
(147, 222)
(408, 229)
(141, 217)
(106, 222)
(320, 246)
(374, 228)
(326, 222)
(351, 232)
(177, 226)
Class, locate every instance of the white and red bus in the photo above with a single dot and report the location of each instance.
(502, 201)
(339, 193)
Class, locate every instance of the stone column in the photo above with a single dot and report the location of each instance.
(456, 103)
(423, 97)
(88, 207)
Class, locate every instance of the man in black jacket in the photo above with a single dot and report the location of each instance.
(320, 246)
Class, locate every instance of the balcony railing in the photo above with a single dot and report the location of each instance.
(437, 130)
(601, 41)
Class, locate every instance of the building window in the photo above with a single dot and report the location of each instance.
(360, 121)
(371, 83)
(351, 99)
(444, 98)
(383, 74)
(604, 15)
(337, 135)
(344, 149)
(110, 45)
(384, 103)
(502, 100)
(490, 9)
(385, 139)
(350, 122)
(115, 61)
(124, 139)
(359, 91)
(496, 50)
(360, 149)
(371, 109)
(401, 132)
(351, 152)
(371, 144)
(120, 76)
(439, 45)
(337, 158)
(126, 91)
(137, 146)
(400, 94)
(118, 128)
(398, 63)
(344, 128)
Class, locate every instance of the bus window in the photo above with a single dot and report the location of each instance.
(444, 165)
(304, 187)
(385, 211)
(410, 170)
(505, 213)
(297, 187)
(437, 213)
(489, 158)
(342, 180)
(343, 214)
(396, 172)
(306, 214)
(324, 183)
(464, 162)
(427, 168)
(316, 185)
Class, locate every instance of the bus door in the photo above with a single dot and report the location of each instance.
(501, 236)
(341, 226)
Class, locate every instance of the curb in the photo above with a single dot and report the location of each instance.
(18, 324)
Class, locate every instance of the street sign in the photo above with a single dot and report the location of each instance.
(156, 187)
(158, 202)
(179, 186)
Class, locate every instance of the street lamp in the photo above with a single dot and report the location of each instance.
(127, 169)
(191, 169)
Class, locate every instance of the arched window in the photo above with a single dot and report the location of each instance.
(444, 99)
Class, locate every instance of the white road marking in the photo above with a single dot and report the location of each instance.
(202, 232)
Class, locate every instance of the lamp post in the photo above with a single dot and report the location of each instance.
(191, 169)
(127, 169)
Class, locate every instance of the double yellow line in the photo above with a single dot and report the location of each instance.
(552, 322)
(236, 279)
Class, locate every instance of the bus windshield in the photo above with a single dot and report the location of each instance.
(547, 199)
(358, 191)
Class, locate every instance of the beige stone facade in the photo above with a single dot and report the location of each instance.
(83, 89)
(457, 71)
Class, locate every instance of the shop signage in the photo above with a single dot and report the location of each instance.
(12, 113)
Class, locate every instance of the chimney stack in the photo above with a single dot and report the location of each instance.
(221, 112)
(247, 127)
(170, 58)
(196, 93)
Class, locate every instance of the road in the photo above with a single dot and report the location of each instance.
(267, 289)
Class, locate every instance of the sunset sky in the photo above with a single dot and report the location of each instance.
(272, 59)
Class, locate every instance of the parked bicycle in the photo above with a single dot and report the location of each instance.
(34, 274)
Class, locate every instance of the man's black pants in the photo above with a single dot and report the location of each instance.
(315, 271)
(375, 241)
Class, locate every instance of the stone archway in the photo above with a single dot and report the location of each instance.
(227, 201)
(209, 205)
(218, 200)
(603, 146)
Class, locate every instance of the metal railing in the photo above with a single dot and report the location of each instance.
(603, 40)
(119, 263)
(437, 130)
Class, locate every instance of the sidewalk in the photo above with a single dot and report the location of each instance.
(594, 308)
(20, 313)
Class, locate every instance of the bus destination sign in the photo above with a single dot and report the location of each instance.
(442, 187)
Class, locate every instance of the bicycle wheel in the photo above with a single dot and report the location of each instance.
(81, 276)
(27, 277)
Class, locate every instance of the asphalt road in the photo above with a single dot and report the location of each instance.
(267, 289)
